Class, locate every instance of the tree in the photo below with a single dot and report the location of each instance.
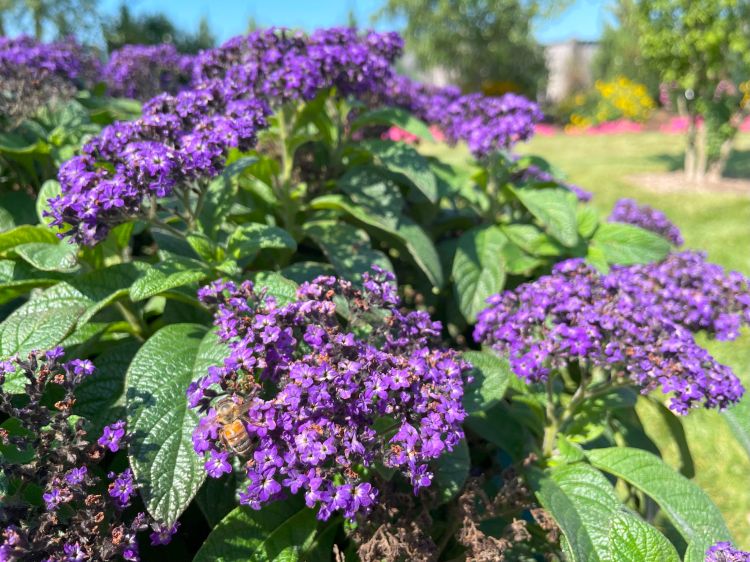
(481, 43)
(702, 46)
(620, 55)
(151, 29)
(64, 17)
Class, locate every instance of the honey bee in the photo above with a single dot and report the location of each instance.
(233, 433)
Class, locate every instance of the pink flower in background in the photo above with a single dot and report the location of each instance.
(545, 130)
(398, 134)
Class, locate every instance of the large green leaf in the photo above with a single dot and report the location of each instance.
(582, 502)
(100, 398)
(491, 377)
(161, 451)
(395, 117)
(347, 248)
(24, 234)
(451, 470)
(688, 507)
(220, 195)
(555, 209)
(633, 540)
(406, 164)
(174, 271)
(627, 244)
(281, 532)
(18, 277)
(478, 269)
(247, 240)
(403, 230)
(60, 256)
(45, 321)
(276, 285)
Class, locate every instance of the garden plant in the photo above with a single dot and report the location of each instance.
(240, 322)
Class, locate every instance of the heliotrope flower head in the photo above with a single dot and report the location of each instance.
(630, 212)
(636, 323)
(324, 386)
(144, 71)
(725, 552)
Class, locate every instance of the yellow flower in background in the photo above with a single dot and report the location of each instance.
(620, 98)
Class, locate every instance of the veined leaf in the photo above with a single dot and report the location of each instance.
(633, 540)
(348, 248)
(281, 532)
(247, 240)
(582, 502)
(276, 285)
(478, 269)
(60, 256)
(491, 378)
(161, 451)
(174, 271)
(555, 209)
(688, 507)
(49, 190)
(627, 244)
(405, 163)
(451, 470)
(738, 419)
(24, 234)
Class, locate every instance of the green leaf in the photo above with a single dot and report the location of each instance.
(174, 271)
(7, 221)
(217, 497)
(451, 470)
(203, 246)
(395, 117)
(220, 195)
(24, 234)
(161, 450)
(100, 398)
(18, 278)
(738, 419)
(627, 244)
(282, 532)
(587, 218)
(582, 502)
(49, 190)
(403, 230)
(633, 540)
(478, 269)
(347, 248)
(406, 164)
(45, 321)
(688, 507)
(61, 256)
(696, 551)
(491, 377)
(307, 271)
(247, 240)
(555, 209)
(672, 425)
(282, 289)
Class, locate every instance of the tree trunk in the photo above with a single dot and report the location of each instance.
(701, 161)
(717, 167)
(691, 155)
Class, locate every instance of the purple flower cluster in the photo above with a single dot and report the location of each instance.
(321, 397)
(725, 552)
(144, 71)
(635, 323)
(282, 65)
(78, 520)
(179, 140)
(630, 212)
(182, 139)
(33, 73)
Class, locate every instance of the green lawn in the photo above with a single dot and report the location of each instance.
(717, 223)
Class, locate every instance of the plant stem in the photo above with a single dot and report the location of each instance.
(553, 424)
(140, 330)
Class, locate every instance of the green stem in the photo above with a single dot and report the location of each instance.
(140, 329)
(553, 424)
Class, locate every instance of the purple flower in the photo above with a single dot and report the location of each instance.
(76, 476)
(122, 489)
(75, 553)
(217, 464)
(163, 533)
(112, 436)
(144, 71)
(54, 497)
(725, 552)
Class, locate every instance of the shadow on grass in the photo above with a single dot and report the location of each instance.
(738, 166)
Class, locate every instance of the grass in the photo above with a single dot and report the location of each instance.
(718, 223)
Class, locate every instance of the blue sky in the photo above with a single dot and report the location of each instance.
(583, 19)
